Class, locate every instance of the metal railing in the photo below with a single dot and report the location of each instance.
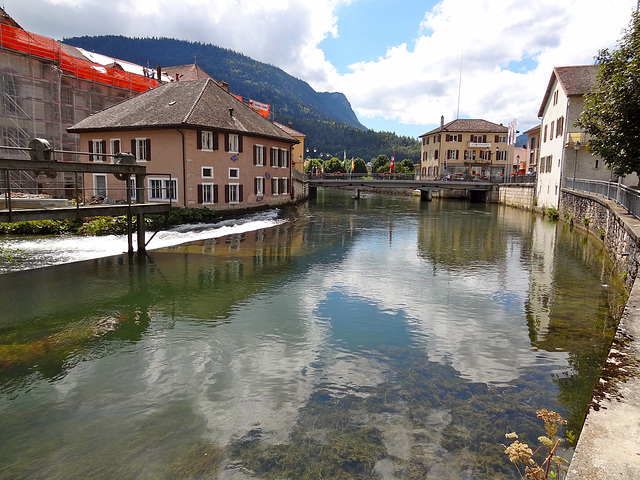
(623, 195)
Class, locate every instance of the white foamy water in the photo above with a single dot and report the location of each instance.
(35, 252)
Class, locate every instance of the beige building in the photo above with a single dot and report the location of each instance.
(206, 147)
(297, 153)
(533, 148)
(463, 148)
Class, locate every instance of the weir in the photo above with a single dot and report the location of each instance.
(20, 203)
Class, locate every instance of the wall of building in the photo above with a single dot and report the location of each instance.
(519, 196)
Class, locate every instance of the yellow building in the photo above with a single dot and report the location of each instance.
(297, 152)
(464, 147)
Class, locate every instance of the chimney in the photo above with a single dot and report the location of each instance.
(442, 121)
(224, 85)
(159, 70)
(290, 124)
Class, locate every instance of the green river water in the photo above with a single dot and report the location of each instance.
(378, 338)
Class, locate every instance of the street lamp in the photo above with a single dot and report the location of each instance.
(576, 147)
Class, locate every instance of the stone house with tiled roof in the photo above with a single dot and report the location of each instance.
(207, 147)
(563, 155)
(464, 146)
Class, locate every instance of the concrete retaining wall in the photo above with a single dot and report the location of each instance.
(519, 196)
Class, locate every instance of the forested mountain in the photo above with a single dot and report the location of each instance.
(327, 119)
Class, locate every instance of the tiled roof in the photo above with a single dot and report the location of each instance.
(196, 104)
(6, 19)
(289, 130)
(574, 80)
(187, 72)
(468, 125)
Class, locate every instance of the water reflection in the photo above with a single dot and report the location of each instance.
(380, 337)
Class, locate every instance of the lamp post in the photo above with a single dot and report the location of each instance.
(312, 168)
(576, 147)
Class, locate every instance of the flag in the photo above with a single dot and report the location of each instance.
(393, 161)
(353, 163)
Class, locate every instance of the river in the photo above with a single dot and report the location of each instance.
(378, 338)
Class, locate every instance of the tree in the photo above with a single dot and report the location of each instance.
(405, 166)
(333, 165)
(313, 163)
(612, 109)
(359, 166)
(379, 162)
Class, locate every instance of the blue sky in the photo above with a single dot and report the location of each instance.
(398, 63)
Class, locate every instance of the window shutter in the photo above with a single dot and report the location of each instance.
(215, 194)
(90, 150)
(148, 143)
(116, 146)
(133, 148)
(280, 185)
(215, 140)
(103, 143)
(446, 137)
(226, 143)
(239, 143)
(199, 140)
(240, 192)
(226, 194)
(457, 154)
(255, 154)
(264, 155)
(255, 185)
(200, 194)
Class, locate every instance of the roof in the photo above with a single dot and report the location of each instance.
(196, 104)
(469, 125)
(534, 129)
(6, 19)
(289, 130)
(577, 80)
(187, 72)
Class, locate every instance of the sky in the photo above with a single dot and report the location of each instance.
(401, 64)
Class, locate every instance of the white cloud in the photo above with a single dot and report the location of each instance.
(508, 47)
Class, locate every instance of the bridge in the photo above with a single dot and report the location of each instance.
(478, 188)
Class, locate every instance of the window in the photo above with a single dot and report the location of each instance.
(99, 184)
(206, 140)
(141, 148)
(555, 97)
(207, 172)
(234, 173)
(559, 127)
(551, 130)
(284, 158)
(545, 134)
(259, 185)
(233, 193)
(501, 139)
(469, 154)
(163, 189)
(97, 147)
(436, 139)
(274, 157)
(284, 186)
(114, 146)
(453, 137)
(207, 193)
(258, 155)
(274, 186)
(501, 155)
(452, 154)
(484, 154)
(233, 143)
(478, 139)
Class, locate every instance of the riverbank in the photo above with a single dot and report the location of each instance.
(609, 445)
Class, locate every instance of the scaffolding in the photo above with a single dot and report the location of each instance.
(45, 90)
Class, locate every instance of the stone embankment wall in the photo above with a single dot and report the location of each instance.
(618, 230)
(519, 196)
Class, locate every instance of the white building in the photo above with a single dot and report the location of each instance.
(563, 155)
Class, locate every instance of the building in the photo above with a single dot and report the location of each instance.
(533, 148)
(464, 146)
(563, 153)
(297, 154)
(208, 147)
(47, 87)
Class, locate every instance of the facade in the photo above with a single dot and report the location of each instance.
(208, 148)
(464, 147)
(297, 153)
(563, 153)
